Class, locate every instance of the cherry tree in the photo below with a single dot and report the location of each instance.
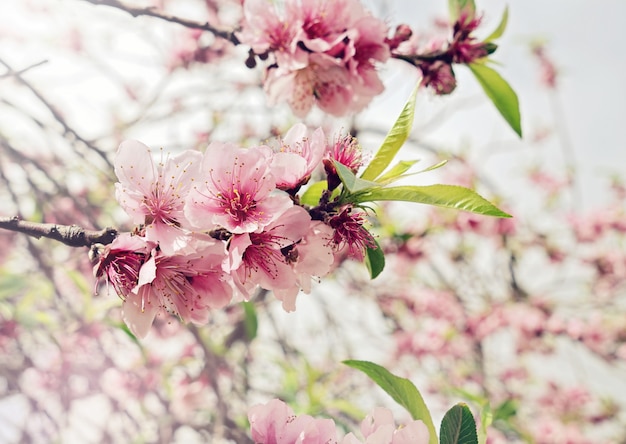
(212, 182)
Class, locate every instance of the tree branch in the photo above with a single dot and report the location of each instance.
(71, 235)
(55, 113)
(152, 12)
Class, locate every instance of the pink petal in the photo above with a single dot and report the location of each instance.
(139, 320)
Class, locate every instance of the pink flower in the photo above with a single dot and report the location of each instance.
(154, 193)
(439, 76)
(121, 262)
(325, 53)
(350, 234)
(275, 423)
(265, 30)
(298, 157)
(262, 258)
(347, 151)
(237, 192)
(379, 428)
(186, 286)
(324, 81)
(311, 257)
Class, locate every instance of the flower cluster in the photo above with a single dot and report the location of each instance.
(323, 52)
(216, 226)
(275, 422)
(435, 59)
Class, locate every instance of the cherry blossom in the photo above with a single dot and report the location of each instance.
(325, 53)
(184, 285)
(275, 423)
(262, 258)
(350, 234)
(297, 157)
(345, 150)
(121, 262)
(379, 428)
(311, 258)
(154, 193)
(236, 192)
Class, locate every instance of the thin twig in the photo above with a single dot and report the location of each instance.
(71, 235)
(55, 113)
(11, 73)
(153, 12)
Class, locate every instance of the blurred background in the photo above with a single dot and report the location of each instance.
(523, 318)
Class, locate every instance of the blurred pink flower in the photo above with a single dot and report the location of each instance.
(379, 427)
(267, 30)
(324, 53)
(275, 423)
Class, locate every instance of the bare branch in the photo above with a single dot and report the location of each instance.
(67, 130)
(71, 235)
(11, 73)
(152, 12)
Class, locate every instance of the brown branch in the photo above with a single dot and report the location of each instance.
(152, 12)
(71, 235)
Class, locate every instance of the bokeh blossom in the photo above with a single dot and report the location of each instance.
(276, 423)
(323, 53)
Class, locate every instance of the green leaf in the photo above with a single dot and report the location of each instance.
(375, 260)
(350, 181)
(505, 411)
(433, 167)
(250, 320)
(458, 426)
(456, 6)
(398, 170)
(500, 93)
(448, 196)
(401, 390)
(393, 141)
(497, 33)
(313, 193)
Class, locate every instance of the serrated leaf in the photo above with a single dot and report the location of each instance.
(497, 33)
(350, 181)
(401, 390)
(313, 193)
(458, 426)
(456, 6)
(393, 141)
(250, 320)
(448, 196)
(500, 93)
(374, 260)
